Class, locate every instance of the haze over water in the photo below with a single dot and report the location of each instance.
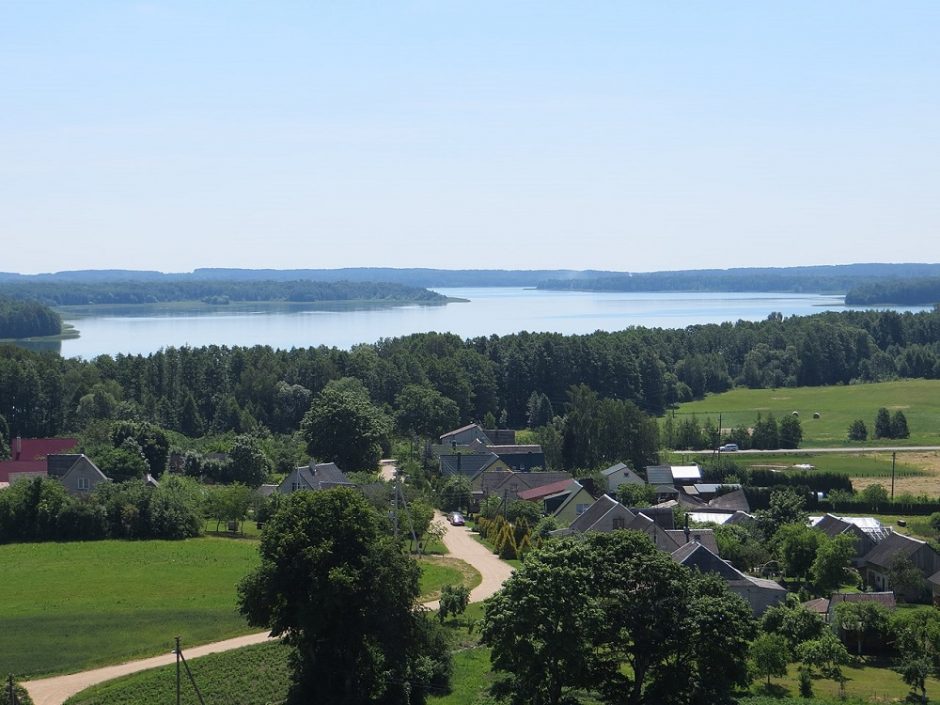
(489, 311)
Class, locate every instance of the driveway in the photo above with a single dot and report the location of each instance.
(460, 543)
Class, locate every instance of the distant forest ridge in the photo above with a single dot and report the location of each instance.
(836, 279)
(911, 292)
(27, 319)
(90, 292)
(833, 279)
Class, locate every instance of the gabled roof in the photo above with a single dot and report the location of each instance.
(84, 464)
(706, 537)
(819, 606)
(514, 483)
(619, 467)
(893, 547)
(831, 525)
(886, 599)
(468, 427)
(467, 464)
(598, 511)
(659, 475)
(514, 449)
(58, 464)
(735, 501)
(575, 491)
(695, 555)
(538, 493)
(8, 468)
(321, 476)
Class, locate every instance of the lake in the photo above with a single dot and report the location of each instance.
(489, 310)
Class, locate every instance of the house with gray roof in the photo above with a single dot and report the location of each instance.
(465, 435)
(759, 593)
(607, 514)
(877, 563)
(315, 476)
(620, 474)
(82, 477)
(467, 465)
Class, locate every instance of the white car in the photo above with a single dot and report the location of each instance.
(728, 448)
(456, 518)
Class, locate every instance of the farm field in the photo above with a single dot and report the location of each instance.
(71, 606)
(837, 406)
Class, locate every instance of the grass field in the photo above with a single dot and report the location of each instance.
(71, 606)
(251, 676)
(438, 571)
(919, 399)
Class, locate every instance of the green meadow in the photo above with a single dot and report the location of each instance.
(72, 606)
(67, 607)
(837, 407)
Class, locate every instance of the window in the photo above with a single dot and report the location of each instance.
(619, 523)
(581, 508)
(294, 486)
(83, 483)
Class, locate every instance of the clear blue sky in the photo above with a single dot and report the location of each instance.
(617, 135)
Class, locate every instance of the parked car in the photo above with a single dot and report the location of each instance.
(456, 518)
(728, 448)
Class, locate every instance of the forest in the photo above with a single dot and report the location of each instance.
(910, 292)
(27, 319)
(71, 293)
(218, 389)
(833, 279)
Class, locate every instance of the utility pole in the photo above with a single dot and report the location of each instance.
(395, 511)
(177, 671)
(894, 457)
(12, 696)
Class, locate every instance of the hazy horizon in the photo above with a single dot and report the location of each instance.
(169, 136)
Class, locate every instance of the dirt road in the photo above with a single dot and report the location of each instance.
(58, 689)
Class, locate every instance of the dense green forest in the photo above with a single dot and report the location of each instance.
(911, 292)
(27, 319)
(836, 279)
(61, 293)
(196, 390)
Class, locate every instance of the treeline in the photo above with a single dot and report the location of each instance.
(60, 293)
(27, 319)
(910, 292)
(217, 389)
(820, 279)
(41, 510)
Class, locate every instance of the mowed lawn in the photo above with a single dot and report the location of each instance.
(67, 607)
(919, 399)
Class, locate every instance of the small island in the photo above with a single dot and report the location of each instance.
(26, 319)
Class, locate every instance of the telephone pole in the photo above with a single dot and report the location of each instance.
(894, 457)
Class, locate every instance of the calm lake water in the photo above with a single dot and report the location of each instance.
(489, 310)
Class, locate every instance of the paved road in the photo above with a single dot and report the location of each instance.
(813, 451)
(56, 690)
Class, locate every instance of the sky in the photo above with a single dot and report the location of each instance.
(633, 136)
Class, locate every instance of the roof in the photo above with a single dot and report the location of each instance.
(934, 579)
(695, 555)
(686, 472)
(467, 464)
(736, 501)
(831, 525)
(461, 430)
(40, 448)
(11, 467)
(619, 467)
(321, 476)
(819, 606)
(872, 528)
(659, 475)
(706, 537)
(538, 493)
(514, 449)
(575, 491)
(886, 599)
(511, 482)
(893, 547)
(597, 511)
(84, 463)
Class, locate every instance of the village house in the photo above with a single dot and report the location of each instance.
(876, 565)
(315, 476)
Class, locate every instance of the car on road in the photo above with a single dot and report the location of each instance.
(456, 518)
(728, 448)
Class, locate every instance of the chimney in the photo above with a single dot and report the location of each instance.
(17, 448)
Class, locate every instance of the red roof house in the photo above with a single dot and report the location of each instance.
(29, 455)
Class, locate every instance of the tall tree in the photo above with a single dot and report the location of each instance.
(883, 424)
(345, 602)
(345, 428)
